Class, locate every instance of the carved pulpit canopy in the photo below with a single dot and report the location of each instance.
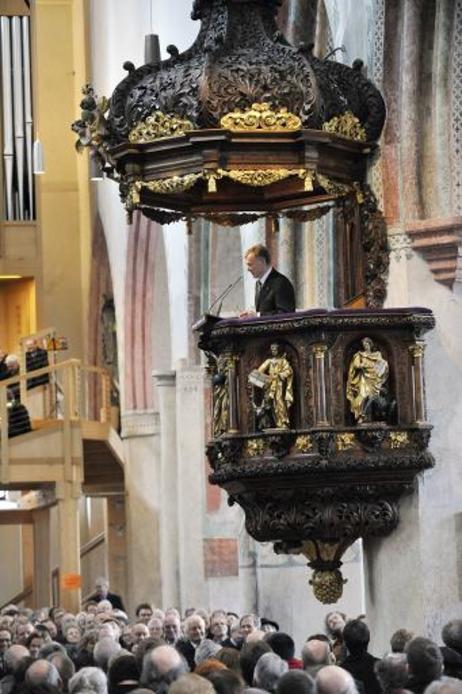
(242, 120)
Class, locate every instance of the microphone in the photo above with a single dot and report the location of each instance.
(223, 295)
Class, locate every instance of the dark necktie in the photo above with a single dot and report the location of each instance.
(257, 293)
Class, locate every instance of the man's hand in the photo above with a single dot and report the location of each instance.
(247, 314)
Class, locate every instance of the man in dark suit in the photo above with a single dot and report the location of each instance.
(102, 593)
(274, 293)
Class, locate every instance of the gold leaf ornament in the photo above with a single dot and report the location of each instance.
(346, 125)
(157, 126)
(261, 117)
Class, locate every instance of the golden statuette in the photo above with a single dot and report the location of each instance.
(366, 384)
(157, 126)
(261, 117)
(346, 125)
(278, 396)
(220, 397)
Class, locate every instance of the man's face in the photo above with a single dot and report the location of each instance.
(195, 629)
(255, 265)
(336, 623)
(219, 628)
(5, 640)
(171, 628)
(144, 615)
(73, 635)
(102, 588)
(24, 630)
(155, 628)
(139, 633)
(247, 626)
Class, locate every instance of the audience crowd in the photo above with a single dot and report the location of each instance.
(101, 650)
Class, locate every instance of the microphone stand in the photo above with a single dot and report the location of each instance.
(223, 295)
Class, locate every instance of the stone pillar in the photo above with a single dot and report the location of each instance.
(68, 495)
(169, 550)
(286, 263)
(418, 391)
(42, 566)
(191, 484)
(140, 431)
(117, 544)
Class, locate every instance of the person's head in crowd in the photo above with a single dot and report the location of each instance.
(161, 667)
(248, 623)
(120, 617)
(145, 646)
(268, 625)
(104, 606)
(43, 672)
(206, 649)
(172, 610)
(158, 613)
(123, 674)
(233, 619)
(249, 656)
(335, 623)
(101, 588)
(189, 611)
(143, 612)
(51, 647)
(12, 364)
(139, 632)
(425, 660)
(56, 614)
(392, 672)
(6, 640)
(205, 616)
(43, 631)
(90, 679)
(13, 657)
(230, 657)
(207, 666)
(356, 636)
(51, 626)
(23, 631)
(452, 635)
(282, 644)
(72, 633)
(269, 670)
(34, 643)
(316, 655)
(219, 626)
(104, 650)
(110, 628)
(20, 670)
(91, 606)
(226, 681)
(10, 610)
(449, 685)
(296, 682)
(335, 680)
(88, 640)
(256, 635)
(156, 628)
(399, 640)
(172, 628)
(64, 666)
(194, 628)
(191, 684)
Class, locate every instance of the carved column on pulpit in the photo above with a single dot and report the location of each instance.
(417, 353)
(232, 360)
(319, 359)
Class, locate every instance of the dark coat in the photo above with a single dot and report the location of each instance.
(115, 600)
(187, 650)
(452, 662)
(276, 296)
(361, 667)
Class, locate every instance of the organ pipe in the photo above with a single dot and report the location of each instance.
(8, 150)
(28, 110)
(18, 110)
(16, 106)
